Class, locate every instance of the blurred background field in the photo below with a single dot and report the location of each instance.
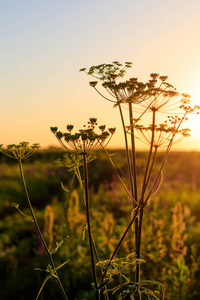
(171, 235)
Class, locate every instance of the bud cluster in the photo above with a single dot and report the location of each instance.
(163, 134)
(19, 151)
(86, 141)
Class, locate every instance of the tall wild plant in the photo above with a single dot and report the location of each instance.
(153, 97)
(111, 276)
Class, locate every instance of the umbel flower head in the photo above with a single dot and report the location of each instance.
(108, 72)
(86, 141)
(163, 134)
(154, 93)
(19, 151)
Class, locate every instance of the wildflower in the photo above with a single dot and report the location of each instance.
(130, 91)
(163, 134)
(86, 141)
(159, 99)
(108, 72)
(20, 151)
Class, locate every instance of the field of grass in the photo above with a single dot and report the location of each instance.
(170, 237)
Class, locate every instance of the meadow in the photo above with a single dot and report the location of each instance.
(170, 244)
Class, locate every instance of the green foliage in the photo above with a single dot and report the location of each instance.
(111, 212)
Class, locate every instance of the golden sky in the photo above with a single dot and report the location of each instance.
(45, 43)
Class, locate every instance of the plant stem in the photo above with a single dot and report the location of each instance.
(78, 175)
(120, 282)
(88, 223)
(145, 182)
(38, 230)
(64, 209)
(127, 152)
(133, 151)
(137, 210)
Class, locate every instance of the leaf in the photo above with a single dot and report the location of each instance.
(102, 284)
(16, 205)
(58, 245)
(38, 269)
(43, 284)
(84, 230)
(62, 185)
(57, 268)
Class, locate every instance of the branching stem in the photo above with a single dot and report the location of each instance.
(39, 232)
(88, 223)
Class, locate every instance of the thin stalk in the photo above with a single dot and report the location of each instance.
(88, 223)
(138, 246)
(137, 210)
(150, 154)
(151, 166)
(127, 152)
(77, 172)
(165, 157)
(63, 212)
(38, 230)
(137, 269)
(120, 282)
(120, 179)
(133, 152)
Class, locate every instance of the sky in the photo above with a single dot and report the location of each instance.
(44, 44)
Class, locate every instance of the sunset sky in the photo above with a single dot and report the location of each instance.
(44, 43)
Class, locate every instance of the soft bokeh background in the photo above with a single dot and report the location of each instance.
(45, 43)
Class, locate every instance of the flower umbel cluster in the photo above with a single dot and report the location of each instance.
(107, 72)
(86, 141)
(132, 90)
(163, 134)
(19, 151)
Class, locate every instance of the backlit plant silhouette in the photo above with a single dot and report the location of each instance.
(167, 110)
(139, 98)
(86, 142)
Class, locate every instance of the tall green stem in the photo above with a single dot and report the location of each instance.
(88, 223)
(145, 182)
(63, 212)
(78, 175)
(133, 152)
(127, 152)
(38, 230)
(121, 239)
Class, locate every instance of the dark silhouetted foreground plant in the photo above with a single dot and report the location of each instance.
(140, 98)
